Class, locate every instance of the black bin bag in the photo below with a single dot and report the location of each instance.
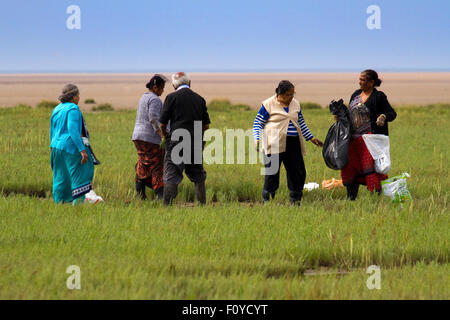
(337, 142)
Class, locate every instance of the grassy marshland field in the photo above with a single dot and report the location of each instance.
(234, 247)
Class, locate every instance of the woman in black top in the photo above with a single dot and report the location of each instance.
(370, 112)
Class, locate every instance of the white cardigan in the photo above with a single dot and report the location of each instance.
(275, 130)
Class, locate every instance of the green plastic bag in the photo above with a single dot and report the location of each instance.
(395, 188)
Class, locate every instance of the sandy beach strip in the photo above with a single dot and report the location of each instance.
(124, 90)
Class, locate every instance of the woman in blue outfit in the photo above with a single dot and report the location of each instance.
(71, 161)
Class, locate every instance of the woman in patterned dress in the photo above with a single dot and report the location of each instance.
(369, 112)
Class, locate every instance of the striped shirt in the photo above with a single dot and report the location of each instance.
(263, 116)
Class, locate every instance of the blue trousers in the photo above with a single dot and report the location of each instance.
(71, 179)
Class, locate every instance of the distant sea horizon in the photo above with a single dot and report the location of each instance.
(129, 71)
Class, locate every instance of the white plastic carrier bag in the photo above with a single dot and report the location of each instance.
(378, 146)
(93, 198)
(395, 188)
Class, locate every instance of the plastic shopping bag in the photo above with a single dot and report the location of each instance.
(332, 184)
(395, 188)
(310, 186)
(92, 197)
(378, 145)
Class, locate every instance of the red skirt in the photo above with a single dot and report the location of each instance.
(360, 168)
(150, 165)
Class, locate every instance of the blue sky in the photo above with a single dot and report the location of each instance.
(209, 35)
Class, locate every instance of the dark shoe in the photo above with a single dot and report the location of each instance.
(376, 192)
(295, 196)
(352, 191)
(140, 189)
(170, 192)
(159, 193)
(266, 196)
(297, 203)
(200, 191)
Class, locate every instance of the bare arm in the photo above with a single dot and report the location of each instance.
(163, 130)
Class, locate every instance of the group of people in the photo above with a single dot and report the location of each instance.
(152, 137)
(279, 129)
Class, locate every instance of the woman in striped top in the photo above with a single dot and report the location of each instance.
(279, 124)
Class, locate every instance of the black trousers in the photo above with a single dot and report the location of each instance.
(292, 159)
(173, 173)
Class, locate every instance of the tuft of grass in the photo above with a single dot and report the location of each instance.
(89, 101)
(103, 107)
(22, 106)
(310, 105)
(45, 104)
(218, 105)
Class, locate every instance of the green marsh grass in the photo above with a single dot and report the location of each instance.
(89, 101)
(103, 107)
(45, 104)
(234, 247)
(310, 105)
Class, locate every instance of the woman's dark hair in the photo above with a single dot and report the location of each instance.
(156, 80)
(283, 87)
(373, 75)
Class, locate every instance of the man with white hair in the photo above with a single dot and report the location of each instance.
(185, 110)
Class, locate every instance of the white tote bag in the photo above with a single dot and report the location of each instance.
(378, 145)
